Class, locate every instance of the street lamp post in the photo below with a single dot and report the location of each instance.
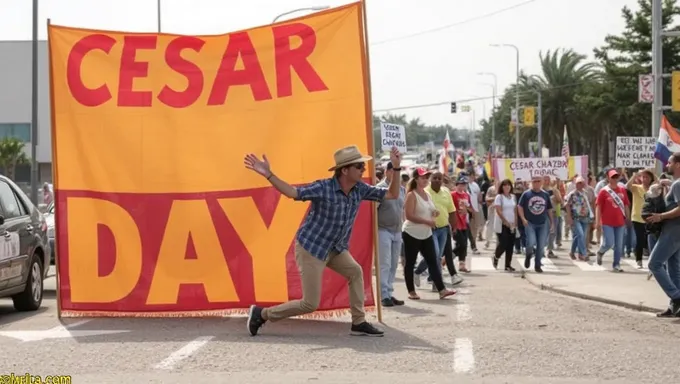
(493, 107)
(516, 94)
(158, 14)
(312, 9)
(34, 107)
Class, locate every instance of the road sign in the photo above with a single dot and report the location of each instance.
(465, 108)
(675, 91)
(645, 89)
(529, 116)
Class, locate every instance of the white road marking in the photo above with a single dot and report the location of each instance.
(546, 263)
(463, 356)
(481, 264)
(587, 267)
(186, 351)
(633, 263)
(463, 312)
(73, 325)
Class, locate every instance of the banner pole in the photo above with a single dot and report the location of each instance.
(369, 124)
(55, 177)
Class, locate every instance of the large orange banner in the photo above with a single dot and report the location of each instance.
(156, 214)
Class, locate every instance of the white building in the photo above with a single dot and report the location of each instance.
(15, 103)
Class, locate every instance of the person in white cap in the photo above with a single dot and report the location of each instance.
(323, 238)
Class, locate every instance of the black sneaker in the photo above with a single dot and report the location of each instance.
(538, 270)
(494, 261)
(255, 320)
(666, 313)
(366, 329)
(396, 301)
(551, 255)
(599, 258)
(675, 307)
(509, 269)
(527, 261)
(387, 302)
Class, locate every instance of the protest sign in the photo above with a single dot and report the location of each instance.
(527, 168)
(392, 135)
(635, 152)
(156, 214)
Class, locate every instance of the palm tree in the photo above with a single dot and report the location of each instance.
(563, 72)
(11, 155)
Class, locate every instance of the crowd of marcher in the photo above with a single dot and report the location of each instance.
(435, 216)
(627, 213)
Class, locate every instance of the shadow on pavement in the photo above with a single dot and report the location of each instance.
(10, 315)
(324, 333)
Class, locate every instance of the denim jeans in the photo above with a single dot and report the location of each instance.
(439, 236)
(613, 237)
(521, 241)
(537, 237)
(651, 242)
(667, 251)
(389, 247)
(555, 237)
(629, 238)
(579, 230)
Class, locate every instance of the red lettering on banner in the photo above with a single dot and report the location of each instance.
(130, 69)
(251, 74)
(174, 60)
(89, 97)
(288, 59)
(240, 46)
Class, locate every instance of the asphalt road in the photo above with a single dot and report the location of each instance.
(498, 329)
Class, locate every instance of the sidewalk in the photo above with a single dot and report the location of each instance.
(589, 281)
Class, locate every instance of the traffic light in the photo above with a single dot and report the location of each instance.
(453, 107)
(529, 116)
(675, 91)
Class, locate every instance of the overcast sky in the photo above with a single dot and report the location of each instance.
(435, 64)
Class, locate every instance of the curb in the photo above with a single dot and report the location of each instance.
(635, 307)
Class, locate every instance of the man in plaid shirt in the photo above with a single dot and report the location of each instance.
(323, 238)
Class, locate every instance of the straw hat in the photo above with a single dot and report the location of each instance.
(347, 156)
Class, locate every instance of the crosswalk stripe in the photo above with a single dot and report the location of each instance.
(482, 264)
(633, 264)
(546, 263)
(588, 267)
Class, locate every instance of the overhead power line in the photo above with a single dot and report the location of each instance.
(456, 24)
(471, 99)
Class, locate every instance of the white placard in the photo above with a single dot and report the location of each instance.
(392, 135)
(645, 89)
(635, 152)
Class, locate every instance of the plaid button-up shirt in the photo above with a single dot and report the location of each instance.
(329, 223)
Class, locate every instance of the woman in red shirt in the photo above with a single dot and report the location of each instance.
(612, 213)
(461, 199)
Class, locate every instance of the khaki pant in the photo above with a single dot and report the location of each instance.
(476, 223)
(311, 274)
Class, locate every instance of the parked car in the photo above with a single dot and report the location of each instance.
(25, 251)
(50, 220)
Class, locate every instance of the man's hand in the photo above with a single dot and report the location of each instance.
(395, 157)
(260, 166)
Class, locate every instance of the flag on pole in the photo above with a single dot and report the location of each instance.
(445, 160)
(668, 142)
(565, 143)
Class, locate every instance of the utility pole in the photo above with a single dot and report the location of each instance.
(34, 107)
(539, 124)
(657, 70)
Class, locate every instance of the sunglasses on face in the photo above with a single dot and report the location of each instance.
(361, 166)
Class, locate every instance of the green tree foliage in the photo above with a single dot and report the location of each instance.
(596, 100)
(11, 155)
